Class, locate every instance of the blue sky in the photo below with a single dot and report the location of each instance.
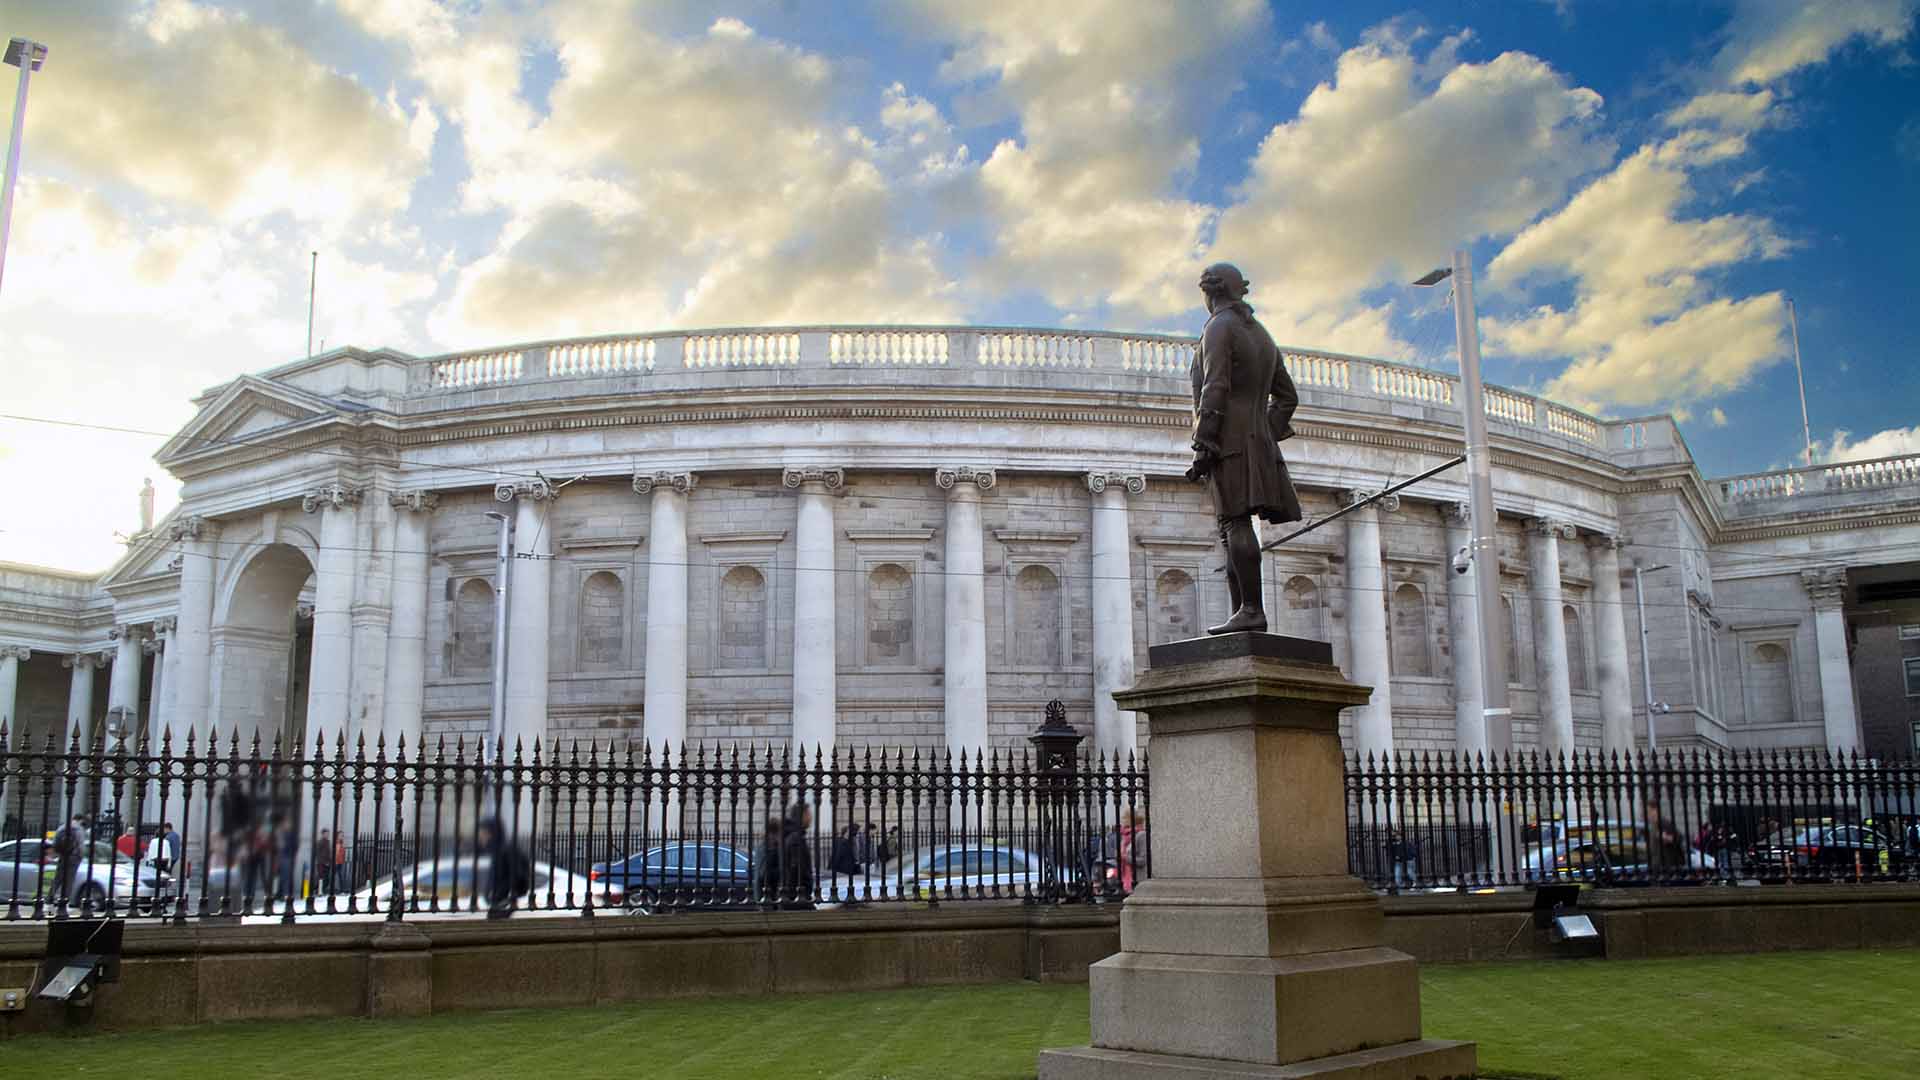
(1642, 187)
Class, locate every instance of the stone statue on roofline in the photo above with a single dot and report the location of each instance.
(1243, 404)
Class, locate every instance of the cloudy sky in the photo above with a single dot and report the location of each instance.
(1642, 188)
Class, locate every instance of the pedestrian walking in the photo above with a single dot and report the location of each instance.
(509, 872)
(1133, 847)
(766, 865)
(863, 847)
(842, 859)
(68, 844)
(796, 859)
(1666, 848)
(338, 883)
(323, 862)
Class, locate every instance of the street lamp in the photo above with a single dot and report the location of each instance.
(1483, 549)
(1646, 667)
(27, 56)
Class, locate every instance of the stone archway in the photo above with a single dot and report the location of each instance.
(260, 654)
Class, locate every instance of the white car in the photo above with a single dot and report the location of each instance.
(940, 872)
(27, 869)
(446, 888)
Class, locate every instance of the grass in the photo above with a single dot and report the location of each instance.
(1801, 1015)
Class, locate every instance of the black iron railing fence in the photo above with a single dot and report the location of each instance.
(333, 831)
(1431, 821)
(215, 829)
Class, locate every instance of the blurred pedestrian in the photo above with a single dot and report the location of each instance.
(68, 845)
(842, 859)
(863, 846)
(1133, 847)
(509, 872)
(1666, 848)
(323, 862)
(766, 864)
(338, 882)
(796, 859)
(890, 847)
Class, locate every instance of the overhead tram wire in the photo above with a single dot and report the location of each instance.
(535, 475)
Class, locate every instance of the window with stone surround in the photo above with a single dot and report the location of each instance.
(889, 616)
(473, 628)
(1913, 677)
(1176, 607)
(1300, 608)
(1576, 648)
(1407, 630)
(1036, 627)
(1769, 682)
(743, 619)
(603, 636)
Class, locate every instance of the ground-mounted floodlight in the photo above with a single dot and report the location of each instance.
(81, 954)
(1555, 910)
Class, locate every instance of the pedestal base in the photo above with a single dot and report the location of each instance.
(1424, 1059)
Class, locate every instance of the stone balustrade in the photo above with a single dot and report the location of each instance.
(1162, 360)
(1822, 486)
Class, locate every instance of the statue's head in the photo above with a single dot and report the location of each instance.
(1224, 279)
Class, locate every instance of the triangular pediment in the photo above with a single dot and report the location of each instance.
(148, 554)
(247, 411)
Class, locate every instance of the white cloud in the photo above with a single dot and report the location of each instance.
(1768, 39)
(1718, 416)
(1734, 110)
(1889, 443)
(1383, 172)
(1086, 206)
(214, 112)
(1644, 327)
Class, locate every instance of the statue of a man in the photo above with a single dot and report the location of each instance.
(1243, 403)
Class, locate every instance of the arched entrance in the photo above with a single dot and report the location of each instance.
(262, 648)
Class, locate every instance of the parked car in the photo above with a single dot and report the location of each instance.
(1604, 854)
(676, 874)
(1824, 851)
(939, 872)
(456, 885)
(28, 866)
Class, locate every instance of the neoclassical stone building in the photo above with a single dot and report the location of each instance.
(920, 536)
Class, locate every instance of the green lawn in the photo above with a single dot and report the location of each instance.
(1801, 1015)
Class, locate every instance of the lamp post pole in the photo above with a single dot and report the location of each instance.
(1646, 664)
(27, 56)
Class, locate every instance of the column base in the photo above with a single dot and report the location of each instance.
(1422, 1059)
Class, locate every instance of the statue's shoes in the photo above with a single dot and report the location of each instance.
(1247, 618)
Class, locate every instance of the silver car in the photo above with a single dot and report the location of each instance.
(28, 867)
(939, 872)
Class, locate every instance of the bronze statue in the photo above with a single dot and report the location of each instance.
(1243, 403)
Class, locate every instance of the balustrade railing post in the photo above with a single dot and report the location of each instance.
(1056, 762)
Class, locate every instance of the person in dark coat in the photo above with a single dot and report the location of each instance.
(1243, 405)
(1666, 848)
(766, 864)
(509, 871)
(844, 859)
(796, 859)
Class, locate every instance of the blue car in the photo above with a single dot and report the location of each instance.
(679, 874)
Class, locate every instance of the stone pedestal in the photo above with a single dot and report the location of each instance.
(1251, 952)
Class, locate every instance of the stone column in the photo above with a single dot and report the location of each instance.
(406, 696)
(665, 704)
(1463, 638)
(372, 620)
(816, 706)
(123, 692)
(330, 675)
(528, 611)
(1610, 638)
(1114, 729)
(1251, 947)
(159, 645)
(11, 657)
(1367, 626)
(964, 674)
(80, 697)
(1827, 588)
(191, 651)
(1550, 636)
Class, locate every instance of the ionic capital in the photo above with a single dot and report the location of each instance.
(1550, 527)
(165, 626)
(153, 646)
(15, 652)
(1826, 586)
(303, 611)
(959, 476)
(330, 496)
(1135, 483)
(1606, 541)
(1356, 496)
(422, 502)
(536, 489)
(85, 661)
(191, 527)
(1457, 513)
(122, 631)
(797, 476)
(681, 482)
